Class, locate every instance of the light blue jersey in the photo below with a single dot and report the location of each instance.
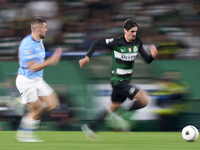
(30, 50)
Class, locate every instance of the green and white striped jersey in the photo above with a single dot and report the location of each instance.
(123, 54)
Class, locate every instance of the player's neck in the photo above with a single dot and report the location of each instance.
(35, 37)
(127, 40)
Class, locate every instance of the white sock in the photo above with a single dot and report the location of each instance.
(28, 123)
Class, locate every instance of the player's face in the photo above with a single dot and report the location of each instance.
(43, 31)
(131, 34)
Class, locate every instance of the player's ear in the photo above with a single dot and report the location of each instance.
(38, 29)
(125, 30)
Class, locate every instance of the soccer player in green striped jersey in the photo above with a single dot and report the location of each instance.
(124, 51)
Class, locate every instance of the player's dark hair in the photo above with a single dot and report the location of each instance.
(36, 22)
(129, 23)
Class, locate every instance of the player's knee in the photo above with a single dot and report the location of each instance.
(52, 107)
(143, 102)
(49, 108)
(146, 101)
(143, 98)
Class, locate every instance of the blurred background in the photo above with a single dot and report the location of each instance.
(172, 79)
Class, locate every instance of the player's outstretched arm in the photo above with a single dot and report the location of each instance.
(52, 60)
(55, 58)
(153, 50)
(84, 61)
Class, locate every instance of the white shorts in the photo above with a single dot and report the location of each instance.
(31, 89)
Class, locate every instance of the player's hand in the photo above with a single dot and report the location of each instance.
(84, 61)
(55, 58)
(153, 50)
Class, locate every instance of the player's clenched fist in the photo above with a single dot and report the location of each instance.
(153, 50)
(84, 61)
(55, 58)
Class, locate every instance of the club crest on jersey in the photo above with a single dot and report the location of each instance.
(129, 49)
(135, 49)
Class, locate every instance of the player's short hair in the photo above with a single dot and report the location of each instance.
(129, 23)
(37, 22)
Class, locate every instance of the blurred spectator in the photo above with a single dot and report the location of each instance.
(74, 23)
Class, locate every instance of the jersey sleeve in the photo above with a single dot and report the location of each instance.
(147, 57)
(106, 43)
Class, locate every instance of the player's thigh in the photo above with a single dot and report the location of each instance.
(143, 97)
(117, 97)
(123, 90)
(51, 101)
(47, 95)
(43, 88)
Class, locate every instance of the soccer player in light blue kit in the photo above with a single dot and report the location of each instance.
(35, 92)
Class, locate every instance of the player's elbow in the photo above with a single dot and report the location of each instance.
(149, 61)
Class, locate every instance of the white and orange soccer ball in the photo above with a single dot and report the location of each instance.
(190, 133)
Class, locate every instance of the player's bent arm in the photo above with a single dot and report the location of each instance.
(147, 57)
(94, 45)
(106, 43)
(54, 59)
(92, 48)
(32, 65)
(153, 50)
(86, 59)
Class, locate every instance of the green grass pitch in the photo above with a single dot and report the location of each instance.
(110, 141)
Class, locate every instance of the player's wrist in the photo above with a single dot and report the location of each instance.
(87, 58)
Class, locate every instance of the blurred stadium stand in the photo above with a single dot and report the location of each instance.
(74, 24)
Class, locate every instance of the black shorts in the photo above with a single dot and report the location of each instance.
(122, 91)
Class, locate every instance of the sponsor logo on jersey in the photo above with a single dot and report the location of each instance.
(129, 49)
(127, 57)
(135, 49)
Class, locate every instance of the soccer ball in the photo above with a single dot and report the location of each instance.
(190, 133)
